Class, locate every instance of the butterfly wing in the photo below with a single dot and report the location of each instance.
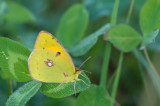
(46, 40)
(46, 66)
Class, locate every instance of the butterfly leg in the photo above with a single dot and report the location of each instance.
(83, 76)
(65, 75)
(60, 84)
(83, 82)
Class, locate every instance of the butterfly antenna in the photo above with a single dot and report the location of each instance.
(75, 87)
(84, 61)
(86, 71)
(83, 76)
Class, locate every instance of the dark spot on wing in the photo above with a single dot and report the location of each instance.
(58, 53)
(65, 75)
(46, 63)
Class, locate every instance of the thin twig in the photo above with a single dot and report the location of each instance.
(150, 63)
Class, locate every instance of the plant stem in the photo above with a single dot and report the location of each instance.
(108, 48)
(111, 80)
(150, 63)
(105, 65)
(130, 11)
(116, 81)
(114, 13)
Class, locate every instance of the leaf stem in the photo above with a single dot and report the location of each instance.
(150, 63)
(130, 11)
(111, 80)
(105, 65)
(108, 48)
(117, 77)
(114, 13)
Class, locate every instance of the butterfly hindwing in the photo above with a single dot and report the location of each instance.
(46, 66)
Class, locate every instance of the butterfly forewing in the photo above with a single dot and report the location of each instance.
(46, 40)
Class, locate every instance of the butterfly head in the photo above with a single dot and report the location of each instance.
(77, 72)
(77, 69)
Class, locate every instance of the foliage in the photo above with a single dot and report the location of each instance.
(23, 94)
(78, 23)
(95, 95)
(106, 30)
(128, 41)
(14, 58)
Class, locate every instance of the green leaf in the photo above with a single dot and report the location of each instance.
(123, 37)
(94, 96)
(18, 13)
(66, 89)
(149, 38)
(14, 60)
(150, 21)
(23, 94)
(86, 44)
(72, 25)
(155, 46)
(150, 16)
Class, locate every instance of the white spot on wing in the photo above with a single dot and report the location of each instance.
(50, 64)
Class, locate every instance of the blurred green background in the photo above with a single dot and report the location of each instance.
(22, 20)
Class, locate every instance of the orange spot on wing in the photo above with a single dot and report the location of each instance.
(56, 49)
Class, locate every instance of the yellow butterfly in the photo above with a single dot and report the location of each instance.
(49, 62)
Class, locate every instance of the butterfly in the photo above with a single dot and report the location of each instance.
(49, 62)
